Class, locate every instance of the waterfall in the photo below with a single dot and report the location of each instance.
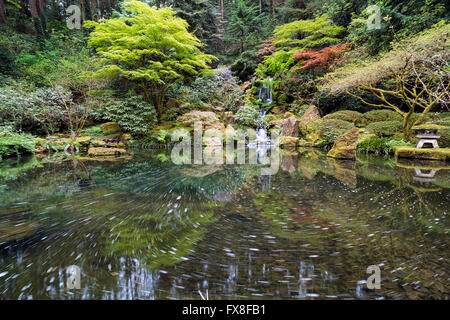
(265, 96)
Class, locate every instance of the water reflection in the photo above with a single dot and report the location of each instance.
(142, 228)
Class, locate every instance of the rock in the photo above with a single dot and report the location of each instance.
(229, 117)
(84, 141)
(110, 127)
(288, 141)
(312, 114)
(414, 153)
(230, 133)
(100, 152)
(212, 141)
(98, 143)
(345, 145)
(208, 119)
(39, 149)
(308, 119)
(290, 127)
(126, 138)
(246, 85)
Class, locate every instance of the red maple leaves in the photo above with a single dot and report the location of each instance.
(322, 59)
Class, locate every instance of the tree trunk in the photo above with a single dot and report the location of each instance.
(406, 126)
(2, 12)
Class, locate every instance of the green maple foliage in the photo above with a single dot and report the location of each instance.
(149, 46)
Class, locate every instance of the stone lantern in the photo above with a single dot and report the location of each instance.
(427, 134)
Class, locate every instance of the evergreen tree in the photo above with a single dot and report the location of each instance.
(246, 28)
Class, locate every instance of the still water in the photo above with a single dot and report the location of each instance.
(144, 228)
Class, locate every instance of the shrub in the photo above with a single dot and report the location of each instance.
(39, 111)
(132, 114)
(379, 145)
(15, 144)
(385, 128)
(330, 129)
(298, 109)
(220, 90)
(347, 115)
(247, 116)
(381, 115)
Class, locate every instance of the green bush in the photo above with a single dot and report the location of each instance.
(347, 115)
(133, 114)
(377, 145)
(220, 90)
(381, 115)
(39, 111)
(247, 116)
(385, 128)
(15, 144)
(298, 108)
(330, 129)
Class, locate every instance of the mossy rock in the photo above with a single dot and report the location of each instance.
(347, 115)
(110, 128)
(102, 152)
(84, 141)
(415, 153)
(288, 142)
(330, 129)
(98, 143)
(385, 128)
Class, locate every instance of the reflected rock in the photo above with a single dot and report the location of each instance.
(344, 170)
(17, 229)
(289, 161)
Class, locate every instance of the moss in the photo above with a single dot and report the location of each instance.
(385, 128)
(380, 115)
(100, 152)
(330, 129)
(379, 145)
(414, 153)
(347, 115)
(110, 127)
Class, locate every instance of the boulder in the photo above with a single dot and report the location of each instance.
(208, 119)
(246, 85)
(290, 127)
(110, 127)
(308, 119)
(101, 152)
(212, 141)
(289, 142)
(230, 133)
(126, 138)
(84, 141)
(229, 117)
(312, 114)
(414, 153)
(345, 145)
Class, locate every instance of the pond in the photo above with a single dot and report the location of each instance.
(144, 228)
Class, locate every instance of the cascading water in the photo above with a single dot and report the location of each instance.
(266, 98)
